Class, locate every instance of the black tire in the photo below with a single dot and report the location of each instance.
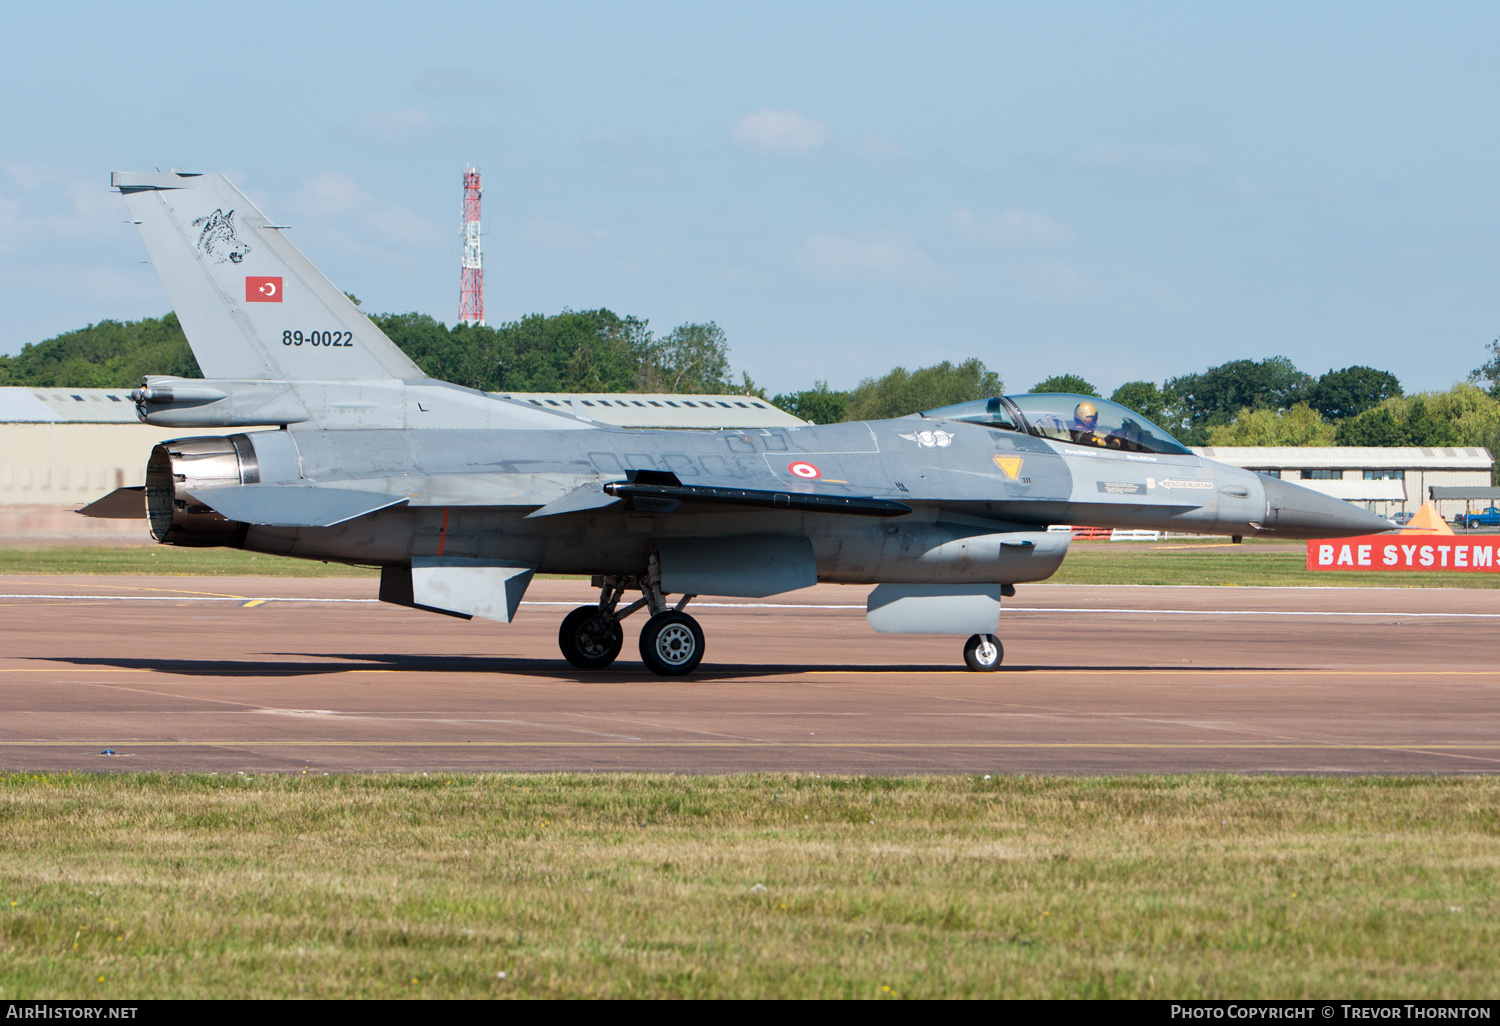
(590, 640)
(671, 644)
(983, 653)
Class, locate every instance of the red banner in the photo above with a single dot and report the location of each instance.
(1423, 553)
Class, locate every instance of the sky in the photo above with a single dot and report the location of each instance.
(1120, 191)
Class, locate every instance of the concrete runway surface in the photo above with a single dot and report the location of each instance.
(282, 675)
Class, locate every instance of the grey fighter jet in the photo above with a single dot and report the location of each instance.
(460, 496)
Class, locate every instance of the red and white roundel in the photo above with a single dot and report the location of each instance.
(806, 471)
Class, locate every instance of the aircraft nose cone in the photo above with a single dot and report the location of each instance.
(1296, 512)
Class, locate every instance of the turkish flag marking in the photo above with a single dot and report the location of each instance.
(262, 290)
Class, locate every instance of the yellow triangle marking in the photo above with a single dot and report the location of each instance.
(1010, 464)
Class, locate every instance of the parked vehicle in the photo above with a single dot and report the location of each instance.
(1489, 518)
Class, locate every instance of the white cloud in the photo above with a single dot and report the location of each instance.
(458, 82)
(1153, 157)
(1012, 229)
(778, 131)
(47, 203)
(334, 195)
(1055, 282)
(877, 149)
(394, 127)
(559, 236)
(330, 194)
(837, 258)
(400, 225)
(614, 145)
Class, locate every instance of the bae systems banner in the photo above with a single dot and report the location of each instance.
(1387, 552)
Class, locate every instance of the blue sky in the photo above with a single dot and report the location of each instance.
(1117, 191)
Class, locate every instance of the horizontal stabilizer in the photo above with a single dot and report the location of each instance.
(663, 498)
(587, 497)
(120, 504)
(274, 505)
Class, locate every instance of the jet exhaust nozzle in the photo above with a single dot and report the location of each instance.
(181, 466)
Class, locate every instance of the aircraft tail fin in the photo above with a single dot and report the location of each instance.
(251, 304)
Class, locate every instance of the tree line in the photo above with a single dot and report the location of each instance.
(1242, 402)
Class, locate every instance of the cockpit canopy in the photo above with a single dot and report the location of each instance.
(1079, 419)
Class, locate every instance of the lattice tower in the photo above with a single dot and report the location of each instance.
(471, 267)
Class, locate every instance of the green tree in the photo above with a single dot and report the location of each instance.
(1352, 391)
(574, 351)
(1377, 427)
(819, 404)
(1301, 425)
(1463, 415)
(901, 392)
(1070, 383)
(692, 358)
(1151, 402)
(1218, 394)
(1489, 372)
(431, 346)
(1426, 426)
(109, 354)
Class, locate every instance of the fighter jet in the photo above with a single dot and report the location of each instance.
(460, 496)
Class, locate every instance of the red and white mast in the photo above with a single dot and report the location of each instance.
(471, 267)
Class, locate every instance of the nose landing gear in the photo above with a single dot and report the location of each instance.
(983, 653)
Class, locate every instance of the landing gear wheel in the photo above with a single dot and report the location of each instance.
(589, 639)
(671, 644)
(983, 652)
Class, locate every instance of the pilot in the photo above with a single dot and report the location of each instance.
(1085, 427)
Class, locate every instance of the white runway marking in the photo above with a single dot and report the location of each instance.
(246, 600)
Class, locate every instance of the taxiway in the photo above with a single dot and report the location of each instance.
(286, 675)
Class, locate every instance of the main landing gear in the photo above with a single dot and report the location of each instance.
(671, 641)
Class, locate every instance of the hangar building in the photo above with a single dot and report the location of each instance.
(1383, 480)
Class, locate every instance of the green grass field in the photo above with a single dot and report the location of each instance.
(165, 559)
(1187, 562)
(141, 886)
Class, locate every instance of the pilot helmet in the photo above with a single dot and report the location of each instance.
(1086, 413)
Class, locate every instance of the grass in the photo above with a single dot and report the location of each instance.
(1211, 563)
(649, 886)
(165, 559)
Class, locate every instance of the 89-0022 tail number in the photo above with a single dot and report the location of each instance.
(318, 338)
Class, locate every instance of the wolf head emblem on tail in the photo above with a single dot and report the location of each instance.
(218, 239)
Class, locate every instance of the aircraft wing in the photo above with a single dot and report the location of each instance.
(275, 505)
(663, 498)
(651, 491)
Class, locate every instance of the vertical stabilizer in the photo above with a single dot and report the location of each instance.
(251, 304)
